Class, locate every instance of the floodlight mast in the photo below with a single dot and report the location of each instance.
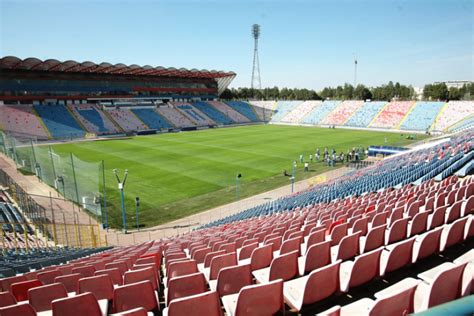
(256, 82)
(121, 186)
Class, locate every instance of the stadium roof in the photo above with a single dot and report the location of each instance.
(223, 78)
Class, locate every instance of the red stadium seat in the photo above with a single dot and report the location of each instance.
(246, 251)
(101, 286)
(186, 285)
(6, 282)
(69, 281)
(6, 299)
(204, 304)
(284, 267)
(218, 263)
(135, 276)
(363, 269)
(396, 256)
(317, 256)
(17, 310)
(78, 305)
(398, 231)
(48, 276)
(41, 297)
(261, 299)
(20, 289)
(135, 295)
(318, 285)
(85, 271)
(373, 240)
(232, 279)
(113, 273)
(348, 248)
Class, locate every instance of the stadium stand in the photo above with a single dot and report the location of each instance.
(230, 112)
(392, 114)
(365, 114)
(454, 112)
(59, 121)
(94, 120)
(462, 125)
(318, 114)
(193, 114)
(128, 121)
(282, 108)
(174, 116)
(422, 116)
(245, 109)
(21, 120)
(301, 111)
(151, 118)
(264, 109)
(216, 115)
(342, 113)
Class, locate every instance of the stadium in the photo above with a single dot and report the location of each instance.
(136, 189)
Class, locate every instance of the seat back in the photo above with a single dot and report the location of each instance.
(261, 257)
(6, 282)
(114, 275)
(316, 236)
(186, 285)
(322, 283)
(140, 294)
(200, 304)
(181, 268)
(200, 254)
(398, 231)
(400, 255)
(379, 219)
(348, 247)
(85, 271)
(337, 233)
(101, 286)
(455, 232)
(78, 305)
(446, 286)
(20, 289)
(317, 256)
(6, 299)
(69, 281)
(375, 238)
(454, 212)
(437, 218)
(121, 265)
(141, 275)
(360, 225)
(400, 302)
(231, 279)
(246, 251)
(17, 310)
(261, 299)
(220, 262)
(275, 242)
(419, 223)
(48, 277)
(291, 245)
(41, 297)
(365, 268)
(210, 256)
(284, 267)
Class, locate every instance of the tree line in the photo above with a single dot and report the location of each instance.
(386, 92)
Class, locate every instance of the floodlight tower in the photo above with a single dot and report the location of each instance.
(256, 83)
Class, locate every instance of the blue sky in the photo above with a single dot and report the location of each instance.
(305, 44)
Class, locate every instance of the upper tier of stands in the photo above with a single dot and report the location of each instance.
(342, 113)
(452, 113)
(174, 116)
(282, 108)
(95, 121)
(245, 109)
(151, 118)
(193, 114)
(319, 113)
(216, 115)
(59, 121)
(301, 111)
(21, 120)
(392, 114)
(422, 116)
(365, 114)
(264, 109)
(229, 111)
(465, 124)
(127, 120)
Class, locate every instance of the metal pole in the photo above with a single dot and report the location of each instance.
(52, 161)
(137, 202)
(105, 196)
(54, 222)
(74, 176)
(237, 193)
(124, 219)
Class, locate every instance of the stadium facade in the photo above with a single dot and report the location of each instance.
(31, 79)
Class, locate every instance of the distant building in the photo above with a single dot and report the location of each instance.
(454, 83)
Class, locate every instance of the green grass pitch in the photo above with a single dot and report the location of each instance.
(179, 174)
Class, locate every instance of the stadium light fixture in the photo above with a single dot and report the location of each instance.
(121, 186)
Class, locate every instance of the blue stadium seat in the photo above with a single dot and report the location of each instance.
(151, 118)
(213, 113)
(245, 109)
(59, 121)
